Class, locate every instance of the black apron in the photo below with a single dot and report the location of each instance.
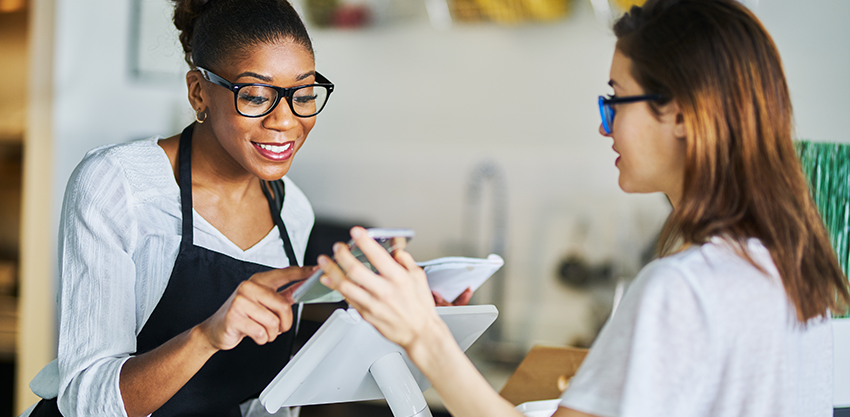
(201, 281)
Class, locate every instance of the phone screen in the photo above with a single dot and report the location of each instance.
(391, 240)
(391, 244)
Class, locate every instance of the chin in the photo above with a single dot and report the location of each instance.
(624, 185)
(272, 174)
(271, 177)
(631, 188)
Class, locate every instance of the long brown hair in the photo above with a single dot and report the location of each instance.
(742, 176)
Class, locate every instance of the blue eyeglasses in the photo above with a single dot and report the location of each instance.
(607, 111)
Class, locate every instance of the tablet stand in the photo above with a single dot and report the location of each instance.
(398, 386)
(348, 360)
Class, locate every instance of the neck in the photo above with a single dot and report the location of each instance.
(674, 199)
(214, 169)
(675, 189)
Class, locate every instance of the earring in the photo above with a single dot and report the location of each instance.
(198, 116)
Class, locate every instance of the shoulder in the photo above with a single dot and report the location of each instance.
(137, 149)
(716, 262)
(671, 273)
(666, 288)
(139, 166)
(123, 156)
(714, 280)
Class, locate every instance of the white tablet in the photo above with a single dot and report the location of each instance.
(333, 366)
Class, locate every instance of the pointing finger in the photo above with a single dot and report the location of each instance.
(277, 278)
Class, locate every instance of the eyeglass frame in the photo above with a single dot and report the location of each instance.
(281, 91)
(607, 102)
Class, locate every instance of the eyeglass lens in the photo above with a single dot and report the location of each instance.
(608, 116)
(607, 113)
(256, 100)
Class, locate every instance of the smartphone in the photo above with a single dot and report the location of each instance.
(390, 239)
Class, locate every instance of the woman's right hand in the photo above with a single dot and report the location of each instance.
(255, 309)
(398, 302)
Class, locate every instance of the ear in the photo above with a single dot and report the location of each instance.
(679, 122)
(197, 96)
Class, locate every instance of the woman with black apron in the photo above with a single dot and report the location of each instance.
(221, 330)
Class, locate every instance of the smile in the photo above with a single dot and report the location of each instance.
(275, 152)
(275, 148)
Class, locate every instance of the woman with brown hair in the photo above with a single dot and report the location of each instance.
(733, 317)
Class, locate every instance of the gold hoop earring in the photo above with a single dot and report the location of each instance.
(198, 118)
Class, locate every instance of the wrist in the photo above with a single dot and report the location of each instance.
(433, 346)
(201, 342)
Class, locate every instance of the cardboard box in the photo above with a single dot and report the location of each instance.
(544, 374)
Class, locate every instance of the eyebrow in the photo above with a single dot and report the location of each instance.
(254, 75)
(269, 79)
(305, 75)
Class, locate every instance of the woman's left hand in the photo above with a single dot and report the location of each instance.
(398, 302)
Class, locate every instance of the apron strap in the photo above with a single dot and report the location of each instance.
(275, 206)
(184, 170)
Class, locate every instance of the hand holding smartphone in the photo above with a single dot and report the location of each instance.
(391, 239)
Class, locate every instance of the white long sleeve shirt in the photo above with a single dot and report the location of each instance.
(119, 237)
(705, 333)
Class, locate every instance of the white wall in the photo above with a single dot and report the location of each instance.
(813, 40)
(416, 109)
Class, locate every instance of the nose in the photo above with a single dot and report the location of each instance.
(281, 118)
(602, 131)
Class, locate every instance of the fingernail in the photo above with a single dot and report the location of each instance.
(337, 247)
(323, 260)
(325, 280)
(356, 232)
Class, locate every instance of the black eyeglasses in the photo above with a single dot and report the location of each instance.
(257, 100)
(607, 111)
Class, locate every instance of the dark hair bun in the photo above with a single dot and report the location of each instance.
(212, 31)
(186, 12)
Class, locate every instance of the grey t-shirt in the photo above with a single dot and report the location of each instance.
(705, 333)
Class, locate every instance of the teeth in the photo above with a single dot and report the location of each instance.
(274, 148)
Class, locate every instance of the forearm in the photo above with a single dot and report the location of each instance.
(463, 389)
(149, 380)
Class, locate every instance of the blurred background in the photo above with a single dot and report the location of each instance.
(474, 122)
